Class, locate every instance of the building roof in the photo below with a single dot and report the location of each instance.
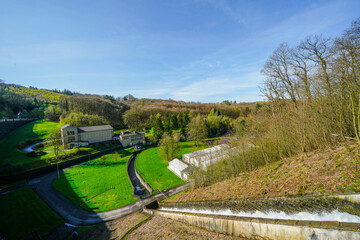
(65, 126)
(95, 128)
(207, 151)
(176, 163)
(132, 133)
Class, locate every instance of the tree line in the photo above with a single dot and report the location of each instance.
(313, 102)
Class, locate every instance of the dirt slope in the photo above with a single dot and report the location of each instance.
(163, 228)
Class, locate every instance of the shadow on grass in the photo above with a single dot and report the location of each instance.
(63, 184)
(105, 181)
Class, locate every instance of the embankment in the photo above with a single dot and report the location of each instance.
(7, 125)
(268, 228)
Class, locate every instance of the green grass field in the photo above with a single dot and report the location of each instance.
(154, 170)
(13, 159)
(98, 176)
(9, 153)
(22, 211)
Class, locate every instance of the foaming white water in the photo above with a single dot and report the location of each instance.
(324, 216)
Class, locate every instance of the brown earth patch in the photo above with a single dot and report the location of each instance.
(164, 228)
(114, 229)
(316, 172)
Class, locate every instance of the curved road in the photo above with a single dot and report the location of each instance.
(75, 215)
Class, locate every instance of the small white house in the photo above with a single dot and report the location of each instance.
(180, 168)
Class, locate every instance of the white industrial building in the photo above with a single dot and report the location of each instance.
(180, 168)
(202, 159)
(208, 156)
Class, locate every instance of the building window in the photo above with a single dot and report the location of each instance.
(70, 133)
(71, 139)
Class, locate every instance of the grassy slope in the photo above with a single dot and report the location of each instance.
(331, 170)
(22, 211)
(154, 170)
(34, 130)
(98, 178)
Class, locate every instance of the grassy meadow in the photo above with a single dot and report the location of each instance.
(9, 151)
(98, 176)
(22, 211)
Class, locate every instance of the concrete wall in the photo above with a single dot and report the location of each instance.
(289, 204)
(66, 138)
(132, 139)
(147, 186)
(8, 125)
(96, 136)
(266, 228)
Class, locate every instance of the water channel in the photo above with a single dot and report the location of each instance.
(334, 215)
(139, 189)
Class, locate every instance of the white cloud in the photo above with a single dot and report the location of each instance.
(218, 88)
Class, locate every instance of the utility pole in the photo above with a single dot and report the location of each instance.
(85, 193)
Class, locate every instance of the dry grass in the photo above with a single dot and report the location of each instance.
(114, 229)
(163, 228)
(336, 170)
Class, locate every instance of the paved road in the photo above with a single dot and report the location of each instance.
(73, 214)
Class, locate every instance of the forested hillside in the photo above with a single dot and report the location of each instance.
(313, 93)
(155, 115)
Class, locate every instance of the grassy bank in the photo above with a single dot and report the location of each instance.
(9, 151)
(107, 175)
(22, 211)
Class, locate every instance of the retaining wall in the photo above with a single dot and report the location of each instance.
(268, 229)
(148, 188)
(127, 169)
(349, 203)
(8, 125)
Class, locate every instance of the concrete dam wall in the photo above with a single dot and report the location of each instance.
(267, 228)
(7, 125)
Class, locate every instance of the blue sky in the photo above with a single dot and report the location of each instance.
(190, 50)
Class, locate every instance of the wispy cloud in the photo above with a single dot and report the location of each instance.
(219, 88)
(228, 10)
